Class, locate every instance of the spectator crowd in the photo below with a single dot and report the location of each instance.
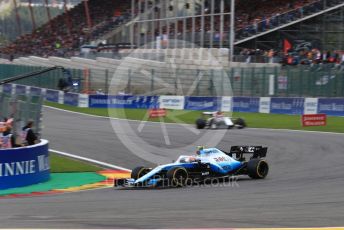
(64, 35)
(68, 31)
(8, 139)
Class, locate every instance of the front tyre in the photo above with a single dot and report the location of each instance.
(139, 171)
(177, 177)
(257, 168)
(240, 123)
(200, 123)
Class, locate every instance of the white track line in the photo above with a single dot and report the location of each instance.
(112, 118)
(89, 160)
(121, 119)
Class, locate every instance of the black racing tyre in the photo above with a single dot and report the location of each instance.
(240, 123)
(200, 123)
(177, 177)
(139, 172)
(257, 168)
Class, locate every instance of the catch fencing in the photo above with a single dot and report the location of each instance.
(22, 107)
(289, 81)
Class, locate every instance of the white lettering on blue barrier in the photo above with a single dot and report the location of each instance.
(17, 168)
(43, 163)
(283, 105)
(201, 104)
(332, 107)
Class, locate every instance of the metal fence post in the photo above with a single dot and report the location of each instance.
(264, 88)
(129, 81)
(211, 82)
(242, 82)
(254, 83)
(301, 76)
(152, 80)
(276, 92)
(106, 85)
(222, 82)
(198, 81)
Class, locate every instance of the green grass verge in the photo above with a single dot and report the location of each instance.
(254, 120)
(61, 164)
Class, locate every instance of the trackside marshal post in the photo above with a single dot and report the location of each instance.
(24, 166)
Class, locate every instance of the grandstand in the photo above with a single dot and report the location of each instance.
(206, 24)
(191, 35)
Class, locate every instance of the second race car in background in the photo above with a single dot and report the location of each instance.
(215, 120)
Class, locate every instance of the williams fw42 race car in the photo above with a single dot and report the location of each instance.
(208, 164)
(215, 120)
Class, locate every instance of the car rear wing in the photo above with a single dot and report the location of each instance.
(256, 151)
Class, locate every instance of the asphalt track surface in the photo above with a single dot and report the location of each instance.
(304, 188)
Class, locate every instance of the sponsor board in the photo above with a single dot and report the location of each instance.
(227, 104)
(71, 99)
(125, 102)
(83, 101)
(246, 104)
(313, 120)
(311, 106)
(34, 91)
(20, 90)
(332, 107)
(52, 95)
(24, 166)
(153, 113)
(202, 103)
(287, 105)
(61, 97)
(7, 88)
(264, 104)
(172, 102)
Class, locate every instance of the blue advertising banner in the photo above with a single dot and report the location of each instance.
(7, 88)
(52, 95)
(20, 90)
(287, 105)
(34, 91)
(127, 102)
(246, 104)
(24, 166)
(71, 99)
(332, 107)
(203, 103)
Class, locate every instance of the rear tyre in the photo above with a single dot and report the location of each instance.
(200, 123)
(240, 123)
(177, 177)
(139, 171)
(257, 168)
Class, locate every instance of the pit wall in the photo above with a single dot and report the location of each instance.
(24, 166)
(273, 105)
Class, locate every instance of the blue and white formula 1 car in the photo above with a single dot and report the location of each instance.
(209, 163)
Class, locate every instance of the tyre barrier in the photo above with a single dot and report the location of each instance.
(24, 166)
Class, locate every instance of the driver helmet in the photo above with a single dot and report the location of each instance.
(199, 149)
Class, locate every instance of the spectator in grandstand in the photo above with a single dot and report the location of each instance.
(28, 136)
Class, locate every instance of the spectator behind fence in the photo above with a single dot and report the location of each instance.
(7, 139)
(28, 136)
